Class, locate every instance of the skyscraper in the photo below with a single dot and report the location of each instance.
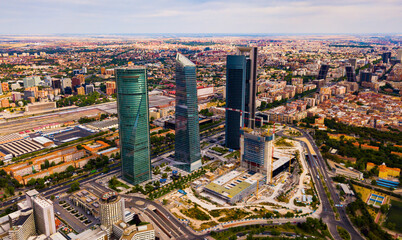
(323, 72)
(235, 98)
(44, 215)
(350, 74)
(187, 138)
(353, 62)
(365, 76)
(386, 57)
(241, 90)
(399, 55)
(132, 106)
(251, 85)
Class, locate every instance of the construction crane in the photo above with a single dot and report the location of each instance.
(256, 192)
(272, 158)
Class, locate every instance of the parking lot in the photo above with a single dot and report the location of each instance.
(76, 217)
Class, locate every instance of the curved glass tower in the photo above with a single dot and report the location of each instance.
(132, 107)
(187, 148)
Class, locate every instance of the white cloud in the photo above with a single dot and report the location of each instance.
(205, 16)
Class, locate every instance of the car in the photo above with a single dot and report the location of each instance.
(13, 201)
(58, 213)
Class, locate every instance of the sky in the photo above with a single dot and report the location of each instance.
(200, 16)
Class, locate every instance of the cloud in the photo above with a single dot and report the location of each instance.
(200, 16)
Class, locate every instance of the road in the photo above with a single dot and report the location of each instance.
(173, 227)
(317, 164)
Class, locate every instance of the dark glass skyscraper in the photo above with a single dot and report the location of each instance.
(350, 74)
(235, 98)
(251, 85)
(365, 76)
(187, 138)
(132, 107)
(323, 71)
(241, 90)
(386, 57)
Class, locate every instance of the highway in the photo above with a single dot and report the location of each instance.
(178, 230)
(317, 164)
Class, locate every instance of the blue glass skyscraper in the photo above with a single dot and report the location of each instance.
(132, 107)
(187, 138)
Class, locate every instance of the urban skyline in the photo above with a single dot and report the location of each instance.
(132, 137)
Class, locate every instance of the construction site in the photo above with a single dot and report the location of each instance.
(271, 174)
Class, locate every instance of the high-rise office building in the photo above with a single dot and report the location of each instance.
(353, 62)
(29, 82)
(386, 57)
(251, 85)
(399, 55)
(132, 106)
(23, 227)
(89, 89)
(66, 82)
(111, 209)
(322, 74)
(235, 98)
(257, 151)
(44, 215)
(56, 83)
(68, 90)
(241, 90)
(187, 146)
(350, 74)
(365, 76)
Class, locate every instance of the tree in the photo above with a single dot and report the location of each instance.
(275, 232)
(10, 190)
(75, 186)
(47, 164)
(164, 175)
(384, 208)
(52, 197)
(70, 168)
(373, 182)
(149, 187)
(31, 182)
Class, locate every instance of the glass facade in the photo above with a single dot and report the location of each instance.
(132, 107)
(187, 147)
(322, 74)
(236, 69)
(350, 74)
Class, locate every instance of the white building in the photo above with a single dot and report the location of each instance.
(111, 209)
(44, 215)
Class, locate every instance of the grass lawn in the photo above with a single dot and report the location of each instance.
(283, 142)
(343, 233)
(395, 215)
(220, 150)
(208, 225)
(196, 213)
(229, 214)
